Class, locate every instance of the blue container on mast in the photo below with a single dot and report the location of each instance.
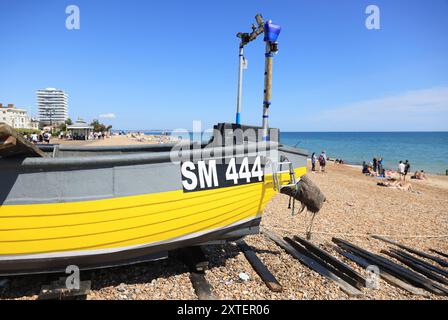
(271, 31)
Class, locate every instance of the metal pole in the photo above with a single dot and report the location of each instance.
(271, 32)
(267, 90)
(245, 39)
(240, 85)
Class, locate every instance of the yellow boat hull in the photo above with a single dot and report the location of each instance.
(116, 224)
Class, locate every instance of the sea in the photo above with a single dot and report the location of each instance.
(426, 151)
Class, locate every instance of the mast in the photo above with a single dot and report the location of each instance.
(245, 39)
(271, 32)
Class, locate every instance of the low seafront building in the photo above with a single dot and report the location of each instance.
(80, 130)
(17, 118)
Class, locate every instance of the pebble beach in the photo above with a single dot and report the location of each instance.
(355, 209)
(117, 140)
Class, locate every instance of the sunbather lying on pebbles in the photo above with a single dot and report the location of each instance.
(404, 186)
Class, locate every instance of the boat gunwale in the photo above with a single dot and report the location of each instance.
(124, 148)
(208, 152)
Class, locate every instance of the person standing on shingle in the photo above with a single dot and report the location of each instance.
(407, 168)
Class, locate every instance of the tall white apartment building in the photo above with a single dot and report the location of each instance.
(52, 106)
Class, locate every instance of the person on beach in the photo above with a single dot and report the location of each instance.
(375, 164)
(313, 162)
(365, 168)
(419, 175)
(322, 161)
(34, 138)
(47, 137)
(401, 169)
(397, 184)
(380, 165)
(407, 168)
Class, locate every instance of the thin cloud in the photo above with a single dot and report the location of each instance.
(425, 109)
(107, 116)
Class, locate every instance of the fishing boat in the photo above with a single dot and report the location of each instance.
(94, 207)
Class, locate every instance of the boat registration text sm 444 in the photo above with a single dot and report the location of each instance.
(220, 173)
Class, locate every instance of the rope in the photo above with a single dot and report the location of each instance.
(368, 234)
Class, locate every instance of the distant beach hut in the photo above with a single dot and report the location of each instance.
(80, 130)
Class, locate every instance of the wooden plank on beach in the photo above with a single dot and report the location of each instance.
(14, 144)
(328, 258)
(417, 267)
(57, 290)
(442, 262)
(201, 286)
(319, 260)
(394, 268)
(439, 253)
(389, 278)
(421, 262)
(313, 265)
(264, 273)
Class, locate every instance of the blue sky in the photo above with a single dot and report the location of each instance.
(163, 64)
